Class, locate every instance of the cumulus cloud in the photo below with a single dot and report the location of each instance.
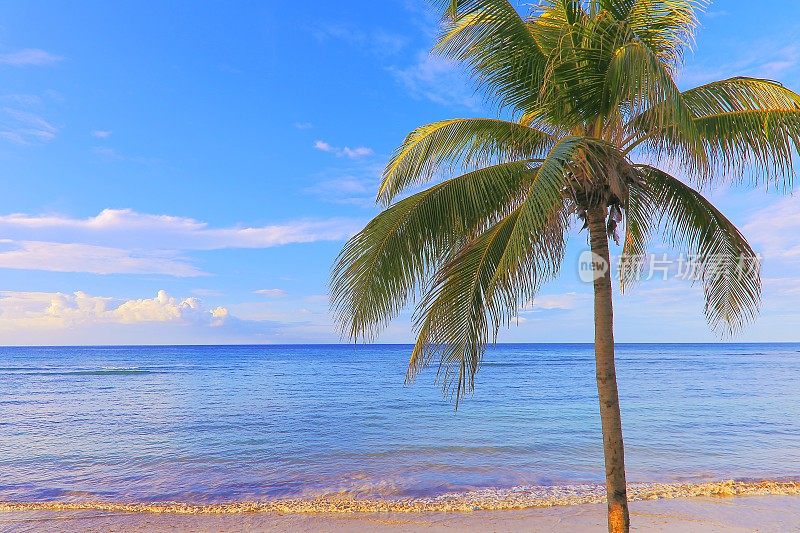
(29, 57)
(46, 310)
(82, 318)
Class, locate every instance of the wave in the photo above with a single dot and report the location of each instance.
(477, 500)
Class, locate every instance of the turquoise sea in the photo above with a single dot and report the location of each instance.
(231, 423)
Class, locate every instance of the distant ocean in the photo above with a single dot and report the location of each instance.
(213, 424)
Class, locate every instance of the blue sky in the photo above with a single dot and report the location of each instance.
(183, 172)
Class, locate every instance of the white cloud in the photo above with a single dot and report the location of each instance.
(354, 153)
(564, 301)
(101, 134)
(322, 146)
(29, 57)
(219, 313)
(116, 226)
(347, 190)
(303, 125)
(64, 318)
(125, 241)
(271, 293)
(44, 310)
(351, 153)
(162, 308)
(24, 127)
(76, 257)
(437, 79)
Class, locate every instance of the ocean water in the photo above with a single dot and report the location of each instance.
(212, 424)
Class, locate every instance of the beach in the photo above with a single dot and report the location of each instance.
(261, 438)
(695, 515)
(709, 507)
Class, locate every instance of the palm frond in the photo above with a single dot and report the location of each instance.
(740, 127)
(452, 319)
(640, 215)
(492, 38)
(640, 81)
(480, 287)
(744, 126)
(601, 74)
(462, 143)
(620, 9)
(573, 92)
(740, 94)
(381, 267)
(727, 265)
(758, 144)
(555, 21)
(477, 291)
(666, 26)
(546, 194)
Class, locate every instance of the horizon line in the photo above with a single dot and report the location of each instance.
(404, 344)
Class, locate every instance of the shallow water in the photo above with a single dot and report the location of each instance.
(223, 423)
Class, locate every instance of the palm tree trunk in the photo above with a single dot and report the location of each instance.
(618, 520)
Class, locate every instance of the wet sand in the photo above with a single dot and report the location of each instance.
(693, 515)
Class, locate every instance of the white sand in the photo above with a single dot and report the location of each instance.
(694, 515)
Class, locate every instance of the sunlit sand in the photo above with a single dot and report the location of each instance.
(707, 514)
(718, 506)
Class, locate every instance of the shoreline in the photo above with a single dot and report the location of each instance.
(765, 514)
(516, 499)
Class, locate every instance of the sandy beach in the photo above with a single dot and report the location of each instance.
(695, 515)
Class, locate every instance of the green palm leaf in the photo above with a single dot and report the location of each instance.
(665, 26)
(380, 268)
(740, 94)
(755, 143)
(479, 288)
(462, 143)
(727, 265)
(744, 127)
(491, 37)
(477, 291)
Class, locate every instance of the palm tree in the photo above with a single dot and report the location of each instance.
(589, 89)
